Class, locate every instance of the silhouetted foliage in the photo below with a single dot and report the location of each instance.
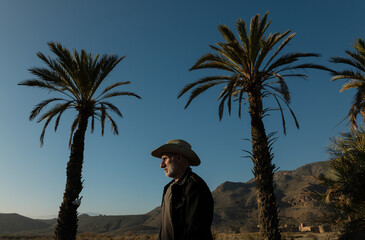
(345, 186)
(355, 77)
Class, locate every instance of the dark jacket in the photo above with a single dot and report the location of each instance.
(192, 208)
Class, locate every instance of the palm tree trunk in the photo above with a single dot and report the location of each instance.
(67, 221)
(263, 171)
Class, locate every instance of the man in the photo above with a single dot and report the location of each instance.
(187, 203)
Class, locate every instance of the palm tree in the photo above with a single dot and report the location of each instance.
(77, 77)
(254, 73)
(356, 79)
(345, 184)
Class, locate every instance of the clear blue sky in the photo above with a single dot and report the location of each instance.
(161, 41)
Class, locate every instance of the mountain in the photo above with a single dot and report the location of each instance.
(235, 208)
(12, 222)
(236, 205)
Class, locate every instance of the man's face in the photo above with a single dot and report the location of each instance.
(170, 164)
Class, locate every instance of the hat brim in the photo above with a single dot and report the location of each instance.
(191, 156)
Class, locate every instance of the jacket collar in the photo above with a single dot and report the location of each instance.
(181, 181)
(184, 177)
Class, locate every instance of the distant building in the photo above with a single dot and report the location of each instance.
(303, 228)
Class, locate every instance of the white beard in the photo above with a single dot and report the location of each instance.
(170, 171)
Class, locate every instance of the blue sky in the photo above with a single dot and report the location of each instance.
(161, 41)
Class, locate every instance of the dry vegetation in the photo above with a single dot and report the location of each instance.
(285, 236)
(217, 236)
(85, 236)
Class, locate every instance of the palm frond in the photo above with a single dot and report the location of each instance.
(283, 44)
(61, 111)
(221, 107)
(357, 106)
(279, 97)
(107, 64)
(358, 57)
(200, 90)
(65, 64)
(114, 126)
(203, 80)
(360, 46)
(102, 118)
(295, 75)
(111, 87)
(290, 58)
(63, 54)
(117, 93)
(43, 58)
(47, 76)
(240, 103)
(242, 32)
(113, 108)
(349, 61)
(214, 61)
(230, 54)
(348, 74)
(52, 112)
(291, 111)
(352, 84)
(39, 84)
(92, 122)
(49, 115)
(257, 29)
(266, 46)
(227, 95)
(281, 112)
(64, 77)
(284, 90)
(39, 107)
(263, 25)
(41, 138)
(75, 123)
(227, 34)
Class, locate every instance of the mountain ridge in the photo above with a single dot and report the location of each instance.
(235, 208)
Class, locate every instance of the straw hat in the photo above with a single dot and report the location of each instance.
(178, 146)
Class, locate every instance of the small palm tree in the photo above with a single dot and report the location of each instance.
(77, 77)
(253, 75)
(345, 185)
(356, 79)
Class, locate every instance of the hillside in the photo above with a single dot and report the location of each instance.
(235, 208)
(11, 223)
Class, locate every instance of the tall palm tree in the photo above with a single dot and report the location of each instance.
(77, 77)
(345, 185)
(253, 72)
(356, 79)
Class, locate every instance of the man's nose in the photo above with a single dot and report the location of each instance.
(162, 165)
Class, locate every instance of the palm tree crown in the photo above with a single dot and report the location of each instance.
(77, 76)
(250, 66)
(356, 78)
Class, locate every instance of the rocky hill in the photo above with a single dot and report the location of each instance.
(235, 208)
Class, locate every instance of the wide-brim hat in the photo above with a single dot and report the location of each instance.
(178, 146)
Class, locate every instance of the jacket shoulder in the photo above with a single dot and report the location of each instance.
(195, 180)
(195, 177)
